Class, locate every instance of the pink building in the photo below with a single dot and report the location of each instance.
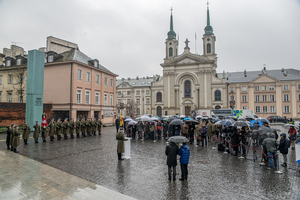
(78, 86)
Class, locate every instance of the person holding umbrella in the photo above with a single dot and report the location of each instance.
(292, 133)
(191, 132)
(171, 153)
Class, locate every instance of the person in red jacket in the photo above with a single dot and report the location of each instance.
(293, 133)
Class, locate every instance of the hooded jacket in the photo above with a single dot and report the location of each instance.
(270, 143)
(184, 153)
(283, 145)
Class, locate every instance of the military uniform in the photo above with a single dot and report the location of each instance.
(77, 124)
(89, 127)
(51, 127)
(94, 126)
(16, 139)
(25, 136)
(83, 127)
(44, 133)
(99, 126)
(58, 129)
(36, 132)
(72, 127)
(65, 126)
(120, 146)
(8, 132)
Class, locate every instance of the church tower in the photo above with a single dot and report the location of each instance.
(209, 39)
(171, 42)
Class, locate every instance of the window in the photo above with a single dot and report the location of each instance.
(264, 88)
(170, 52)
(119, 93)
(298, 97)
(286, 109)
(265, 109)
(286, 97)
(50, 58)
(147, 92)
(244, 107)
(217, 95)
(19, 61)
(271, 87)
(97, 95)
(244, 98)
(97, 79)
(272, 109)
(87, 97)
(138, 101)
(8, 63)
(124, 85)
(298, 106)
(128, 93)
(285, 87)
(158, 97)
(95, 64)
(264, 98)
(256, 88)
(79, 74)
(244, 89)
(88, 76)
(137, 92)
(128, 101)
(256, 98)
(187, 89)
(9, 97)
(298, 86)
(231, 89)
(0, 79)
(78, 97)
(231, 98)
(10, 78)
(119, 101)
(105, 81)
(257, 109)
(105, 99)
(111, 82)
(111, 100)
(272, 97)
(147, 101)
(208, 48)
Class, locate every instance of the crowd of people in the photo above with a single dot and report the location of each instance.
(57, 129)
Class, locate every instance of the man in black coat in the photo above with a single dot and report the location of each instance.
(8, 132)
(171, 152)
(191, 132)
(117, 122)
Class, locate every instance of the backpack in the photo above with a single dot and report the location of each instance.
(288, 143)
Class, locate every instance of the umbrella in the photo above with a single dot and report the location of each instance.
(241, 119)
(217, 120)
(227, 122)
(193, 121)
(131, 122)
(145, 118)
(254, 121)
(176, 122)
(171, 118)
(241, 123)
(263, 120)
(153, 119)
(178, 139)
(264, 129)
(276, 129)
(298, 152)
(187, 118)
(182, 116)
(138, 119)
(198, 117)
(288, 126)
(128, 120)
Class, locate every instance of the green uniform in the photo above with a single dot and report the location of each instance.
(65, 126)
(83, 127)
(77, 124)
(94, 127)
(37, 130)
(99, 126)
(51, 127)
(16, 138)
(72, 127)
(44, 132)
(26, 129)
(89, 127)
(58, 128)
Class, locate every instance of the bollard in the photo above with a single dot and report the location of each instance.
(278, 171)
(241, 145)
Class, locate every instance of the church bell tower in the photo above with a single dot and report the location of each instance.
(209, 39)
(171, 42)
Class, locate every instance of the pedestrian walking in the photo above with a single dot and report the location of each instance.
(26, 132)
(271, 146)
(171, 152)
(184, 153)
(120, 146)
(283, 148)
(36, 132)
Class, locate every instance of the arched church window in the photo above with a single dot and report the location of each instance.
(187, 89)
(217, 95)
(208, 48)
(170, 51)
(158, 97)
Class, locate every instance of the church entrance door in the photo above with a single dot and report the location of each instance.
(159, 111)
(187, 110)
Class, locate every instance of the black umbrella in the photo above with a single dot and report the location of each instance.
(176, 122)
(241, 123)
(178, 139)
(264, 130)
(171, 118)
(193, 121)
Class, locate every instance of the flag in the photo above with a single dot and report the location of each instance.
(121, 120)
(44, 121)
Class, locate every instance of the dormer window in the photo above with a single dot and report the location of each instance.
(95, 64)
(50, 58)
(8, 63)
(19, 61)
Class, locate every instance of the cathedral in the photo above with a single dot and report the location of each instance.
(189, 80)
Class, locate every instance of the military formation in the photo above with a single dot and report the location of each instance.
(84, 127)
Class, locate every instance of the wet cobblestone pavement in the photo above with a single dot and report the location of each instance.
(212, 174)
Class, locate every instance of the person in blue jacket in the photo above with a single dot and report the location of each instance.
(184, 153)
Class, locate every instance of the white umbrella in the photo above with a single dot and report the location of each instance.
(287, 126)
(128, 120)
(131, 122)
(198, 117)
(182, 116)
(145, 118)
(153, 119)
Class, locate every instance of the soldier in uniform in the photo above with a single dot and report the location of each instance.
(58, 129)
(72, 127)
(26, 129)
(77, 126)
(89, 126)
(120, 147)
(8, 132)
(36, 132)
(16, 138)
(94, 126)
(51, 127)
(65, 126)
(44, 133)
(83, 127)
(99, 126)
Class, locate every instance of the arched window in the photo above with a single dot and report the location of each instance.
(208, 48)
(170, 52)
(217, 95)
(187, 89)
(158, 97)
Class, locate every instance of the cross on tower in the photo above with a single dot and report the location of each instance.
(186, 43)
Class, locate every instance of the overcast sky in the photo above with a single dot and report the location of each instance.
(128, 36)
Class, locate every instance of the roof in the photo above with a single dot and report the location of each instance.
(279, 74)
(137, 82)
(77, 55)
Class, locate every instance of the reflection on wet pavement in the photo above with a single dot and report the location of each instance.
(212, 174)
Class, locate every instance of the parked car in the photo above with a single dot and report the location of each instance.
(273, 119)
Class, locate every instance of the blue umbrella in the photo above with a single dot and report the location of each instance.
(254, 121)
(226, 122)
(217, 119)
(187, 118)
(263, 120)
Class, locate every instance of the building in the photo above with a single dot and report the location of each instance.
(58, 45)
(266, 92)
(134, 94)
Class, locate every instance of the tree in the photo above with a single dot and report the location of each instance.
(19, 75)
(131, 107)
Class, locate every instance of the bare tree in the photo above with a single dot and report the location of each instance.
(19, 83)
(131, 107)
